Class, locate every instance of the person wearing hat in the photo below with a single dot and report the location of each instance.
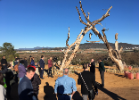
(21, 70)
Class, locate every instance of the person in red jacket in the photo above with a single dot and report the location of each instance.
(50, 64)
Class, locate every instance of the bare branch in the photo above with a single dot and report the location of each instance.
(67, 40)
(92, 41)
(82, 10)
(100, 24)
(87, 18)
(80, 17)
(116, 36)
(88, 15)
(103, 17)
(121, 49)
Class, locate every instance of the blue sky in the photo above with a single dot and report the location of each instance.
(31, 23)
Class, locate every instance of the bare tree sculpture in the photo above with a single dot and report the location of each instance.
(89, 26)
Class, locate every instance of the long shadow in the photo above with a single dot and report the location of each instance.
(120, 75)
(77, 96)
(46, 71)
(111, 94)
(49, 92)
(76, 73)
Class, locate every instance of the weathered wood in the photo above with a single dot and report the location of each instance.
(89, 26)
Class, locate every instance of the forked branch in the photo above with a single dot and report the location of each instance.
(89, 26)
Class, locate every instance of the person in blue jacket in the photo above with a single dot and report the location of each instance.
(25, 88)
(42, 65)
(32, 61)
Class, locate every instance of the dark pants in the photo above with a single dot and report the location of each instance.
(64, 97)
(36, 93)
(93, 76)
(50, 71)
(41, 73)
(102, 77)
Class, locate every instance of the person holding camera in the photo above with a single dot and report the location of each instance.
(50, 64)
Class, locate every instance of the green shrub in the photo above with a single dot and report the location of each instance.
(107, 63)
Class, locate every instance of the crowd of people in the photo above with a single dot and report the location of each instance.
(20, 82)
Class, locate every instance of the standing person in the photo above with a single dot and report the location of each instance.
(14, 61)
(92, 68)
(9, 80)
(29, 60)
(21, 70)
(35, 83)
(14, 91)
(2, 89)
(85, 77)
(65, 87)
(25, 89)
(25, 62)
(4, 65)
(102, 70)
(3, 61)
(50, 64)
(42, 65)
(32, 61)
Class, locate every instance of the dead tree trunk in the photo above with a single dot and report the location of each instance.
(113, 54)
(89, 26)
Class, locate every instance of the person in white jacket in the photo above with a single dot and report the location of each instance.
(2, 89)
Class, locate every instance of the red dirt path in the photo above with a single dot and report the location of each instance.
(116, 87)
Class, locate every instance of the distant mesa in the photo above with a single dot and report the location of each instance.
(86, 46)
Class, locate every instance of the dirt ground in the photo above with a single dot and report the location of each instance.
(117, 87)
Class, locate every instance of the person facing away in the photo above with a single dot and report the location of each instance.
(35, 82)
(87, 76)
(50, 64)
(92, 68)
(21, 70)
(25, 62)
(102, 70)
(65, 86)
(32, 61)
(2, 89)
(42, 65)
(25, 89)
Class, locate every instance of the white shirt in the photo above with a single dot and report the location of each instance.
(2, 93)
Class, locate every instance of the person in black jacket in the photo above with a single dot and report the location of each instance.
(35, 83)
(25, 62)
(14, 91)
(4, 65)
(102, 70)
(3, 61)
(9, 80)
(92, 68)
(42, 65)
(87, 76)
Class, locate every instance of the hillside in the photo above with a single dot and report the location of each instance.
(85, 46)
